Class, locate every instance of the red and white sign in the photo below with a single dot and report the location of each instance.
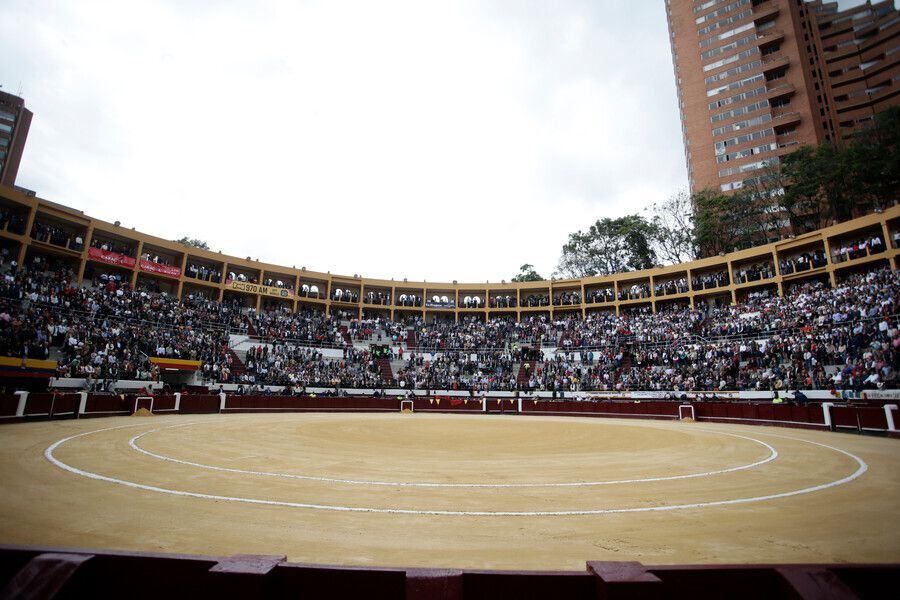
(111, 258)
(152, 267)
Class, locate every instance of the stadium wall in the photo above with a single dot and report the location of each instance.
(173, 276)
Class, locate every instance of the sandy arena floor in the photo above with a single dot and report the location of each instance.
(449, 490)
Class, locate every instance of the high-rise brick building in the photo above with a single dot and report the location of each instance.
(15, 121)
(757, 79)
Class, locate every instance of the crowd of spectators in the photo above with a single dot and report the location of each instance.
(303, 366)
(816, 336)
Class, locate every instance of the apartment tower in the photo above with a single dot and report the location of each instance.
(15, 121)
(757, 79)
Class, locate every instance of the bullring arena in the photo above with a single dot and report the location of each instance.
(475, 489)
(339, 436)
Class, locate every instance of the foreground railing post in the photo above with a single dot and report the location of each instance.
(621, 580)
(243, 575)
(82, 404)
(889, 416)
(20, 407)
(44, 576)
(434, 584)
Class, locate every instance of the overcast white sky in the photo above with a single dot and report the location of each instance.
(421, 139)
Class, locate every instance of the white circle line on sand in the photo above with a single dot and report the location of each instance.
(773, 454)
(862, 468)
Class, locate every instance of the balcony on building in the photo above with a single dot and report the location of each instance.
(377, 301)
(345, 292)
(278, 290)
(204, 270)
(858, 246)
(158, 269)
(534, 297)
(472, 299)
(636, 289)
(312, 290)
(410, 299)
(753, 270)
(671, 284)
(604, 293)
(709, 278)
(503, 299)
(58, 233)
(566, 297)
(13, 217)
(795, 261)
(440, 299)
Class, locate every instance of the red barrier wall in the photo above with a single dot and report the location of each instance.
(49, 404)
(810, 416)
(844, 417)
(94, 574)
(502, 405)
(200, 403)
(304, 403)
(445, 404)
(106, 404)
(603, 408)
(163, 402)
(8, 405)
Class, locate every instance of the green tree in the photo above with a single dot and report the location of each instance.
(725, 222)
(874, 159)
(527, 273)
(609, 246)
(192, 243)
(674, 238)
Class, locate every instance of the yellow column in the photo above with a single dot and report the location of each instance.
(26, 237)
(829, 264)
(181, 277)
(137, 264)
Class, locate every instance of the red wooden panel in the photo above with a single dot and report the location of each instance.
(734, 410)
(201, 403)
(782, 412)
(103, 403)
(163, 402)
(871, 418)
(766, 411)
(38, 403)
(703, 409)
(8, 405)
(844, 416)
(66, 403)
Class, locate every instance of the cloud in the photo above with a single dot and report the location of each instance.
(392, 139)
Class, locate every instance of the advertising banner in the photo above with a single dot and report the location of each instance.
(111, 258)
(255, 288)
(159, 269)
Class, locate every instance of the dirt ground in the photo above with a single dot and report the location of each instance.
(473, 491)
